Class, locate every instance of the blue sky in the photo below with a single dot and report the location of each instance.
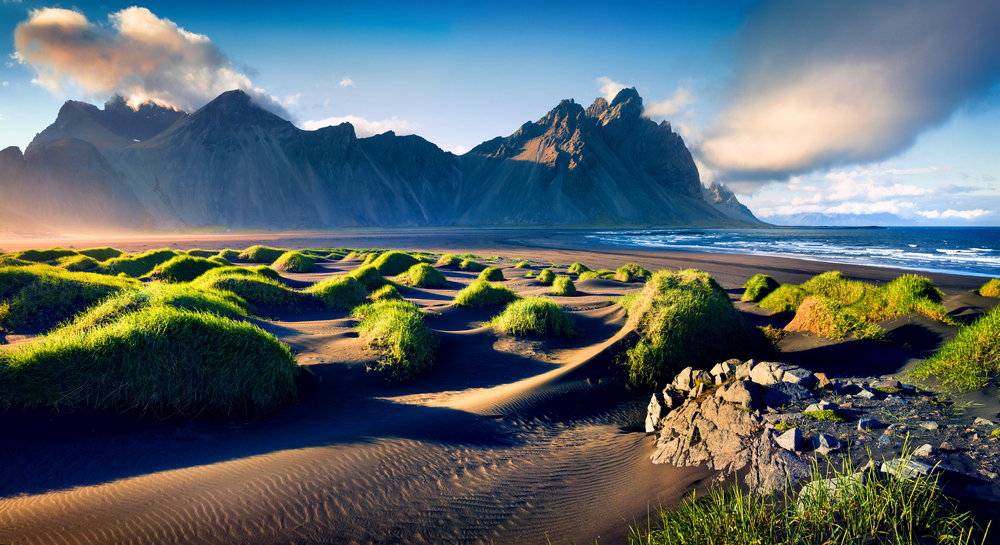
(850, 107)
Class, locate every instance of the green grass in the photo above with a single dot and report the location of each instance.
(239, 271)
(758, 287)
(370, 258)
(38, 297)
(491, 274)
(600, 274)
(529, 274)
(397, 330)
(522, 265)
(220, 260)
(197, 252)
(825, 414)
(846, 306)
(179, 296)
(339, 292)
(159, 359)
(102, 254)
(536, 316)
(969, 360)
(685, 319)
(139, 264)
(393, 263)
(229, 254)
(8, 260)
(183, 268)
(483, 294)
(353, 256)
(563, 286)
(873, 509)
(259, 290)
(295, 262)
(628, 301)
(577, 268)
(469, 265)
(385, 293)
(630, 271)
(422, 275)
(991, 288)
(448, 260)
(261, 254)
(369, 277)
(44, 256)
(546, 277)
(76, 263)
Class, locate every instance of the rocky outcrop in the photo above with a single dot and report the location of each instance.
(725, 201)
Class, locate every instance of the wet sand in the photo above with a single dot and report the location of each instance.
(506, 440)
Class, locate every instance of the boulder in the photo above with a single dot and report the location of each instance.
(826, 491)
(689, 377)
(824, 444)
(654, 412)
(982, 422)
(768, 372)
(790, 440)
(868, 424)
(929, 426)
(672, 398)
(821, 380)
(822, 406)
(924, 451)
(743, 393)
(906, 469)
(799, 376)
(743, 370)
(781, 393)
(722, 371)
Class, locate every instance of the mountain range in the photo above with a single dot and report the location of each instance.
(232, 164)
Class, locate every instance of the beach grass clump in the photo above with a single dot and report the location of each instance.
(522, 265)
(352, 256)
(198, 252)
(259, 290)
(483, 294)
(491, 274)
(785, 298)
(261, 254)
(387, 292)
(628, 301)
(577, 268)
(9, 260)
(448, 260)
(600, 274)
(685, 319)
(563, 286)
(630, 271)
(296, 262)
(369, 277)
(828, 318)
(396, 329)
(238, 271)
(969, 360)
(991, 288)
(102, 254)
(864, 507)
(160, 359)
(44, 256)
(228, 254)
(393, 263)
(422, 275)
(370, 258)
(183, 268)
(758, 287)
(76, 263)
(38, 297)
(157, 294)
(139, 264)
(536, 316)
(339, 292)
(546, 277)
(220, 260)
(468, 264)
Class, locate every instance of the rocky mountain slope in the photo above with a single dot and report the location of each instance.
(232, 164)
(726, 202)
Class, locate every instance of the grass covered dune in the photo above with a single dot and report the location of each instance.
(456, 454)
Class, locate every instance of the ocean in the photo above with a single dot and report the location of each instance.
(960, 250)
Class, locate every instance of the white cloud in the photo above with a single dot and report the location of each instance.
(609, 88)
(671, 106)
(457, 150)
(964, 214)
(5, 84)
(363, 127)
(346, 82)
(138, 55)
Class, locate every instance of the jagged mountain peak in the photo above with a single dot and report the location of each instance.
(599, 106)
(116, 126)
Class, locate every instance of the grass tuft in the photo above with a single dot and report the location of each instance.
(76, 263)
(261, 254)
(397, 330)
(546, 277)
(339, 292)
(825, 414)
(295, 262)
(220, 260)
(393, 263)
(139, 264)
(183, 268)
(758, 287)
(44, 256)
(600, 274)
(369, 277)
(229, 254)
(102, 254)
(563, 286)
(685, 319)
(491, 274)
(577, 268)
(386, 293)
(472, 266)
(522, 265)
(630, 271)
(259, 290)
(536, 316)
(969, 360)
(422, 275)
(991, 288)
(448, 260)
(197, 252)
(483, 294)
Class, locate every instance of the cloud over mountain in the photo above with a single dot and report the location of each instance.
(822, 84)
(139, 56)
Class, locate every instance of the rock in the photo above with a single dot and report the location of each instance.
(722, 371)
(824, 444)
(865, 394)
(868, 424)
(790, 440)
(769, 372)
(781, 393)
(743, 393)
(896, 428)
(688, 379)
(784, 417)
(890, 384)
(924, 451)
(829, 490)
(884, 441)
(654, 412)
(928, 400)
(947, 446)
(822, 406)
(672, 398)
(743, 369)
(906, 469)
(799, 376)
(982, 422)
(773, 468)
(821, 380)
(895, 400)
(929, 426)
